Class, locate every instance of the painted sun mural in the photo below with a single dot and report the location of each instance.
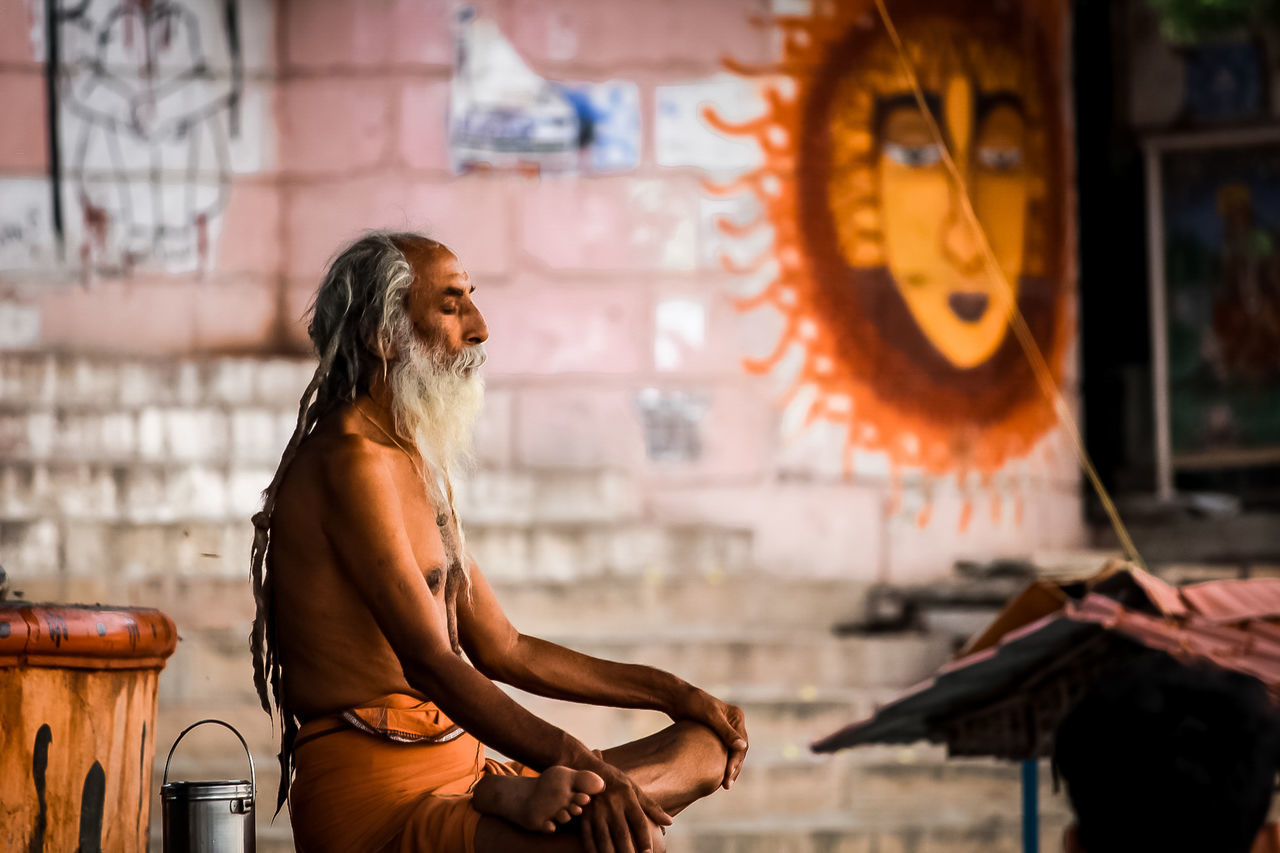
(882, 280)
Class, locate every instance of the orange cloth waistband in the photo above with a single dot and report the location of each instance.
(402, 719)
(396, 717)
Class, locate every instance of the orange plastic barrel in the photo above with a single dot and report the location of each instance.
(77, 720)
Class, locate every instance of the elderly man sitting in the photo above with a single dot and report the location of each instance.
(367, 598)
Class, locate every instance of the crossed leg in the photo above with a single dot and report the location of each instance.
(676, 766)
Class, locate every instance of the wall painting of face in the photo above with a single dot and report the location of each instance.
(882, 278)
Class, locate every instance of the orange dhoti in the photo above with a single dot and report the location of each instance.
(395, 775)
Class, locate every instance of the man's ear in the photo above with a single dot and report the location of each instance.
(385, 348)
(1071, 840)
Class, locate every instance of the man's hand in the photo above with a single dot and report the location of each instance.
(724, 719)
(617, 820)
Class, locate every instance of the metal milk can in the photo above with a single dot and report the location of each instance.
(209, 817)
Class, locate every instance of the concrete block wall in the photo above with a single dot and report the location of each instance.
(584, 278)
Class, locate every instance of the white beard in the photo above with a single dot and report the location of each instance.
(435, 400)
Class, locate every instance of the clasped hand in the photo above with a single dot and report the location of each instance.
(621, 818)
(727, 721)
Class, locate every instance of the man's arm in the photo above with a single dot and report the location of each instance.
(367, 528)
(546, 669)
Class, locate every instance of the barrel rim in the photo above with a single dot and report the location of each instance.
(84, 636)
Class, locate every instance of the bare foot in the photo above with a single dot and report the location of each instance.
(537, 805)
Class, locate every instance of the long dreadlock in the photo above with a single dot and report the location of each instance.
(352, 323)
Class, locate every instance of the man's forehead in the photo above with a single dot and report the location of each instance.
(452, 277)
(442, 273)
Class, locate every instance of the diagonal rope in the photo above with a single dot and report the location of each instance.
(1044, 376)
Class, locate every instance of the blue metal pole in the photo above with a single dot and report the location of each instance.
(1030, 806)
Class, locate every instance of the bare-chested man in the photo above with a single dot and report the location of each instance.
(368, 601)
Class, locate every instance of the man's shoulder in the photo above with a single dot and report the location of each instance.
(342, 461)
(344, 452)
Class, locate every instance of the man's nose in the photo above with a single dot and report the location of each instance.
(477, 332)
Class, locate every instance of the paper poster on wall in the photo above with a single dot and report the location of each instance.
(26, 225)
(503, 115)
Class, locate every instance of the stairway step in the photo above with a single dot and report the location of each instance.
(96, 479)
(656, 601)
(86, 381)
(571, 551)
(839, 833)
(533, 496)
(780, 723)
(774, 657)
(877, 789)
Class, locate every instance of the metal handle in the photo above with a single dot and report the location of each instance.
(253, 777)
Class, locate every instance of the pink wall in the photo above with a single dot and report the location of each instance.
(343, 127)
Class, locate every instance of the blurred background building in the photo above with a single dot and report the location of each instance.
(737, 424)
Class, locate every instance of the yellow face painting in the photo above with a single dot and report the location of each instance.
(918, 227)
(883, 278)
(933, 253)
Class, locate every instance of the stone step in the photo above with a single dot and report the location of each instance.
(781, 723)
(575, 552)
(773, 657)
(878, 786)
(101, 550)
(839, 833)
(596, 606)
(534, 496)
(97, 484)
(630, 606)
(79, 381)
(134, 491)
(210, 662)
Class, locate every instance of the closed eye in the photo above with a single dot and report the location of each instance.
(913, 156)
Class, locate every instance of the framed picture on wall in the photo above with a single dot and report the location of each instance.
(1213, 220)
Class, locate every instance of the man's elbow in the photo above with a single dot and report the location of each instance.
(500, 663)
(429, 672)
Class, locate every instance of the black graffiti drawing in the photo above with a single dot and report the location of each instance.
(150, 113)
(39, 765)
(143, 832)
(92, 798)
(57, 627)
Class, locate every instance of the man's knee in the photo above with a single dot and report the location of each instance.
(705, 754)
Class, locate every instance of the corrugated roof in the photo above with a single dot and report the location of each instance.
(1006, 693)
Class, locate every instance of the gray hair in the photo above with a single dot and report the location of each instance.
(352, 323)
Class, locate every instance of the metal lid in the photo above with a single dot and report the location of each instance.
(224, 789)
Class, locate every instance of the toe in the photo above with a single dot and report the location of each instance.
(575, 810)
(581, 799)
(588, 782)
(562, 816)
